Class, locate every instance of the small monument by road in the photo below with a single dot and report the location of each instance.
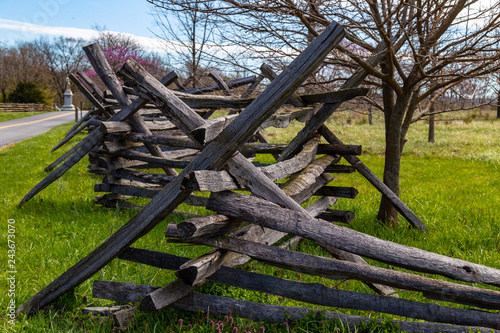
(68, 98)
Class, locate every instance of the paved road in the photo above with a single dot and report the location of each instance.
(19, 129)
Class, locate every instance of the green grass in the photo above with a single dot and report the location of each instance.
(5, 116)
(452, 185)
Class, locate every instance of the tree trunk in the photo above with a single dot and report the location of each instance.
(387, 213)
(430, 138)
(432, 118)
(395, 140)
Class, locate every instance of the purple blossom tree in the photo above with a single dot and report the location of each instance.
(118, 55)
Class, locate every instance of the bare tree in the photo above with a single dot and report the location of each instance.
(63, 57)
(22, 62)
(7, 68)
(187, 34)
(429, 47)
(30, 64)
(110, 39)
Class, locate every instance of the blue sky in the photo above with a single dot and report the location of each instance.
(29, 19)
(26, 20)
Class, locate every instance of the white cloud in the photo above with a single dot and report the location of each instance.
(29, 28)
(26, 31)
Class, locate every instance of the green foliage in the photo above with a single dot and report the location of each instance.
(28, 92)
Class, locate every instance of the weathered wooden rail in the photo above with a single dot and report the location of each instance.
(147, 126)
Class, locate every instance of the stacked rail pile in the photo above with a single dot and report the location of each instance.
(245, 226)
(122, 152)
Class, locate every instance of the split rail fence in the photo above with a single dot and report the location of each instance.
(24, 107)
(146, 126)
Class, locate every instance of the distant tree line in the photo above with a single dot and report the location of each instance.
(36, 71)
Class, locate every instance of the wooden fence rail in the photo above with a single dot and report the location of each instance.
(25, 107)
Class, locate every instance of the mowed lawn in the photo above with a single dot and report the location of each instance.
(453, 185)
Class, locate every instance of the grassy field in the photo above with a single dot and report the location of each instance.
(4, 116)
(453, 185)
